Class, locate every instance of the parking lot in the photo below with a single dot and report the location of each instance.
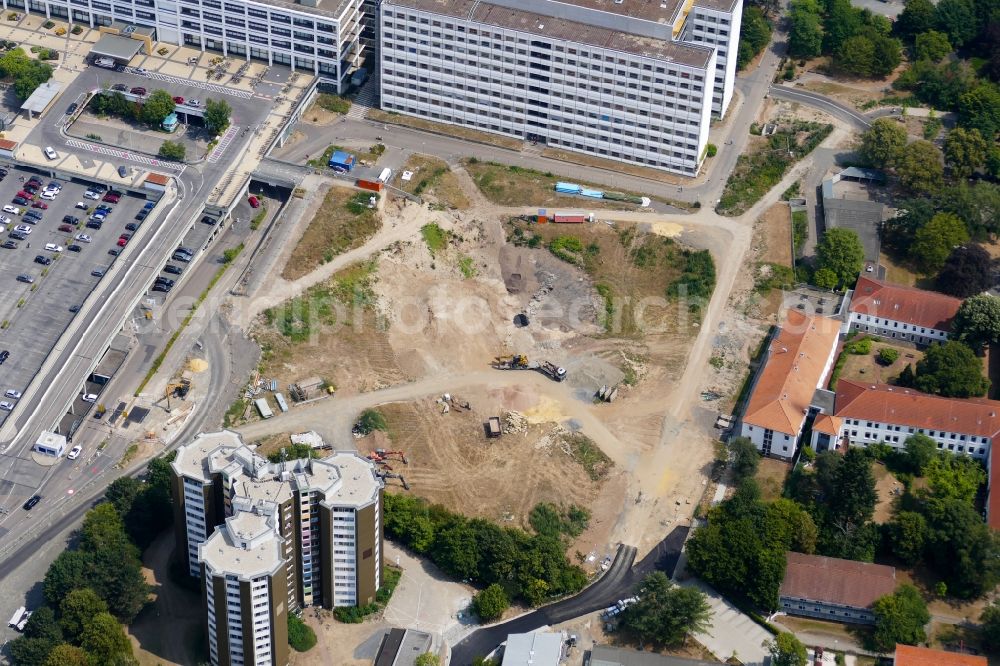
(35, 313)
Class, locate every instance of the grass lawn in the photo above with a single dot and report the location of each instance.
(434, 180)
(370, 156)
(515, 186)
(897, 273)
(446, 129)
(866, 368)
(770, 477)
(340, 224)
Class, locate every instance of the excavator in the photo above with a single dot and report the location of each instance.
(379, 455)
(179, 388)
(393, 475)
(511, 362)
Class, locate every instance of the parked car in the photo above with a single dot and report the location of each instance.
(186, 258)
(52, 247)
(104, 208)
(132, 226)
(97, 272)
(20, 201)
(161, 288)
(23, 228)
(83, 238)
(67, 228)
(6, 405)
(49, 195)
(138, 90)
(9, 245)
(253, 201)
(42, 259)
(94, 224)
(89, 397)
(82, 205)
(32, 501)
(115, 251)
(4, 355)
(208, 220)
(72, 109)
(163, 280)
(173, 270)
(90, 194)
(41, 205)
(142, 215)
(74, 248)
(123, 172)
(112, 197)
(27, 279)
(122, 242)
(74, 453)
(16, 235)
(11, 393)
(196, 103)
(70, 219)
(149, 205)
(50, 153)
(120, 87)
(54, 185)
(178, 100)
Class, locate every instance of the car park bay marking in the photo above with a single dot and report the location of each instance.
(125, 155)
(224, 142)
(210, 87)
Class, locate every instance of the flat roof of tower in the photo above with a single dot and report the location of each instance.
(224, 550)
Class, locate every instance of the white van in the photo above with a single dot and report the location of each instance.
(385, 176)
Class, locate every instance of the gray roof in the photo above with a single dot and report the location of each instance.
(538, 649)
(401, 647)
(862, 217)
(862, 174)
(42, 97)
(602, 655)
(116, 46)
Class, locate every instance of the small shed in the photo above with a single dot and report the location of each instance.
(40, 99)
(7, 148)
(50, 444)
(118, 48)
(156, 182)
(342, 160)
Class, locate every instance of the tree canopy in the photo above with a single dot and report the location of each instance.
(25, 72)
(156, 107)
(883, 143)
(217, 115)
(104, 640)
(787, 650)
(934, 242)
(745, 458)
(755, 34)
(919, 167)
(965, 151)
(932, 45)
(967, 271)
(666, 613)
(977, 322)
(951, 370)
(490, 604)
(900, 618)
(840, 251)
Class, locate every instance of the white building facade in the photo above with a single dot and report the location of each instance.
(903, 313)
(321, 37)
(577, 75)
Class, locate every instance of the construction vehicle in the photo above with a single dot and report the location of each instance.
(393, 475)
(381, 454)
(493, 427)
(521, 362)
(179, 389)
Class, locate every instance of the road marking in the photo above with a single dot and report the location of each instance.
(210, 87)
(125, 155)
(223, 144)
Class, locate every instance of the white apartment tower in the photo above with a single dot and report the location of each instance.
(321, 37)
(320, 519)
(631, 80)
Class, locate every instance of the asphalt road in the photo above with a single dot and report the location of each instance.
(856, 119)
(616, 583)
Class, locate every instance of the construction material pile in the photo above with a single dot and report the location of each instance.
(514, 422)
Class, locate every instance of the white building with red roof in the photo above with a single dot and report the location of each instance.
(797, 362)
(901, 313)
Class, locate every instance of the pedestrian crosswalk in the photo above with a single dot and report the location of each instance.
(126, 155)
(223, 144)
(204, 85)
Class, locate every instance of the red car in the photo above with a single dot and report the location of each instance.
(138, 90)
(40, 204)
(253, 201)
(22, 193)
(123, 240)
(112, 197)
(34, 182)
(178, 100)
(67, 228)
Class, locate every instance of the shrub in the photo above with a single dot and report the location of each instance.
(300, 635)
(859, 347)
(711, 150)
(888, 356)
(371, 420)
(490, 603)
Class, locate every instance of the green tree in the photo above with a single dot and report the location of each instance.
(371, 420)
(301, 636)
(787, 650)
(888, 355)
(491, 603)
(68, 572)
(172, 150)
(955, 477)
(755, 34)
(907, 536)
(121, 493)
(919, 16)
(965, 151)
(825, 278)
(989, 631)
(967, 271)
(883, 142)
(666, 613)
(920, 451)
(977, 322)
(900, 618)
(76, 610)
(957, 19)
(67, 655)
(979, 107)
(157, 106)
(852, 496)
(977, 204)
(744, 456)
(935, 241)
(932, 45)
(805, 38)
(25, 651)
(919, 167)
(961, 548)
(102, 528)
(105, 641)
(793, 525)
(217, 115)
(840, 250)
(856, 56)
(42, 624)
(951, 370)
(888, 55)
(427, 659)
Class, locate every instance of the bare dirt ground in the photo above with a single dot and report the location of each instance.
(775, 233)
(172, 607)
(853, 92)
(433, 180)
(887, 488)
